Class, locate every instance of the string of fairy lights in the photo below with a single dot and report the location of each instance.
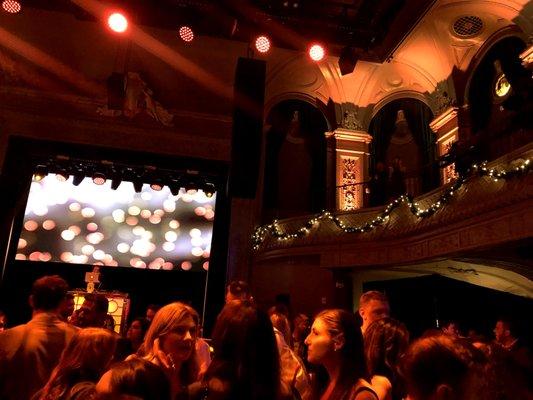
(515, 168)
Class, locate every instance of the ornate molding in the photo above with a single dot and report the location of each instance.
(441, 120)
(352, 135)
(527, 57)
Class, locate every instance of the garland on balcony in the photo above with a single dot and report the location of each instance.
(516, 168)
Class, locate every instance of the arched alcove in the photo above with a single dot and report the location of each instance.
(295, 160)
(400, 130)
(499, 96)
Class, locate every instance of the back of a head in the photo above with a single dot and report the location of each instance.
(238, 290)
(385, 342)
(343, 322)
(433, 361)
(372, 295)
(85, 358)
(139, 378)
(48, 292)
(99, 301)
(246, 354)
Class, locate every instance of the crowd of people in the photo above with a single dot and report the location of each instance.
(254, 354)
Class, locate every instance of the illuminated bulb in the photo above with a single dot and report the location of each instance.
(186, 34)
(316, 52)
(11, 6)
(262, 44)
(117, 22)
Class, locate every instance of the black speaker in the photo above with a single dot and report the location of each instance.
(116, 91)
(248, 105)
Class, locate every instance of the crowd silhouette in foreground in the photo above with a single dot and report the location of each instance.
(254, 354)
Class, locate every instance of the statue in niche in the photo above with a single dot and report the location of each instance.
(403, 155)
(294, 172)
(139, 101)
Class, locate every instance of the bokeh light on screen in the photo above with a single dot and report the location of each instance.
(94, 224)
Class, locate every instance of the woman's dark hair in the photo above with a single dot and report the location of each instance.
(386, 340)
(440, 359)
(353, 364)
(139, 378)
(85, 358)
(246, 355)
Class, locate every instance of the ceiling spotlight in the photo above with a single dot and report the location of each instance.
(117, 22)
(262, 44)
(78, 178)
(62, 175)
(348, 60)
(209, 190)
(186, 34)
(115, 183)
(157, 185)
(11, 6)
(317, 52)
(138, 186)
(40, 172)
(99, 178)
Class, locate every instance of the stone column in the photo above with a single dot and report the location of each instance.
(352, 162)
(446, 128)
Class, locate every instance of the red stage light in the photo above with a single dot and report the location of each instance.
(316, 52)
(186, 34)
(262, 44)
(11, 6)
(117, 22)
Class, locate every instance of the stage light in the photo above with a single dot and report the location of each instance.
(115, 183)
(316, 52)
(78, 178)
(209, 190)
(99, 178)
(117, 22)
(62, 175)
(262, 44)
(11, 6)
(157, 185)
(347, 60)
(186, 34)
(40, 172)
(138, 185)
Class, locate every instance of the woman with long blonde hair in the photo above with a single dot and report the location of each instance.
(84, 360)
(170, 343)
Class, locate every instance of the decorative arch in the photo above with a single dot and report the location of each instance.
(419, 152)
(295, 159)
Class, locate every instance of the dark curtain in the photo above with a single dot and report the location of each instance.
(418, 117)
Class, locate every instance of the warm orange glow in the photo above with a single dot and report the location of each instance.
(186, 34)
(117, 22)
(262, 44)
(11, 6)
(316, 52)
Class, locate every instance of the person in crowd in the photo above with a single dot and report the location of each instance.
(373, 305)
(203, 352)
(281, 327)
(294, 377)
(451, 328)
(170, 344)
(136, 332)
(386, 340)
(238, 290)
(299, 333)
(3, 321)
(66, 309)
(245, 365)
(336, 343)
(93, 311)
(134, 379)
(84, 360)
(506, 338)
(29, 352)
(151, 311)
(443, 367)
